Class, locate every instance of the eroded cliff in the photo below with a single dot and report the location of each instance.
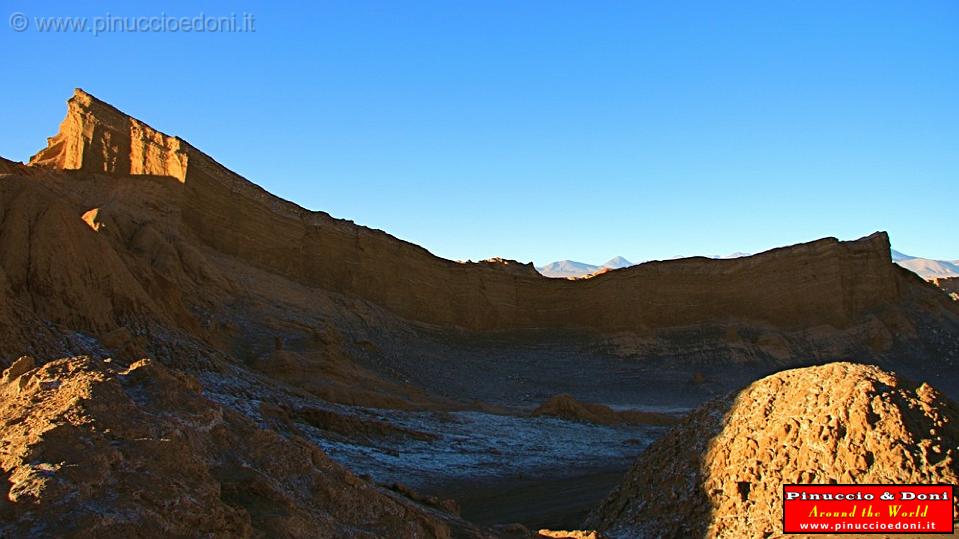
(120, 241)
(822, 282)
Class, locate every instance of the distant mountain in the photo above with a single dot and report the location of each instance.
(567, 268)
(737, 254)
(570, 268)
(617, 263)
(925, 267)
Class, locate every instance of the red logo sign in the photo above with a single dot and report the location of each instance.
(864, 509)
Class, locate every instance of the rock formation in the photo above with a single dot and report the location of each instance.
(175, 208)
(569, 534)
(566, 407)
(118, 241)
(93, 450)
(11, 167)
(96, 137)
(837, 282)
(949, 285)
(720, 473)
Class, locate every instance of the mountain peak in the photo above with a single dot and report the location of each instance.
(87, 98)
(566, 269)
(925, 267)
(897, 255)
(617, 263)
(96, 137)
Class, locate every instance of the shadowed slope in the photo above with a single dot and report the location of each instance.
(93, 450)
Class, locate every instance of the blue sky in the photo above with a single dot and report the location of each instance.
(545, 130)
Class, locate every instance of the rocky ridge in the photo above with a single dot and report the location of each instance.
(158, 231)
(836, 282)
(118, 241)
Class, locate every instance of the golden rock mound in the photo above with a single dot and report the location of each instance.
(720, 473)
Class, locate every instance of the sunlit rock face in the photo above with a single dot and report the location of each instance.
(96, 137)
(720, 474)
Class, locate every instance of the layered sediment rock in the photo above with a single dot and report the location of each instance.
(96, 137)
(117, 234)
(822, 282)
(11, 167)
(720, 473)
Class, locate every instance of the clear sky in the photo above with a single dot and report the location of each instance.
(543, 130)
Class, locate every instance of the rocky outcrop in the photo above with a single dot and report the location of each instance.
(92, 450)
(96, 137)
(511, 266)
(63, 263)
(564, 406)
(570, 534)
(949, 285)
(720, 473)
(12, 167)
(822, 282)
